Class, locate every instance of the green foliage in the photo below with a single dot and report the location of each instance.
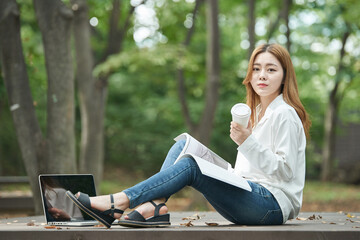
(324, 192)
(143, 112)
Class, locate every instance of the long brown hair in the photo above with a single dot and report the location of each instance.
(289, 88)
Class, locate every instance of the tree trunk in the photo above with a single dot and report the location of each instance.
(21, 103)
(283, 14)
(328, 161)
(180, 74)
(287, 7)
(329, 136)
(93, 91)
(116, 32)
(202, 130)
(91, 96)
(54, 20)
(213, 72)
(251, 26)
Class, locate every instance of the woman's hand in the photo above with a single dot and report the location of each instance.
(239, 133)
(59, 214)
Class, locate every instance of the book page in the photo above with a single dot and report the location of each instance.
(221, 174)
(194, 147)
(210, 163)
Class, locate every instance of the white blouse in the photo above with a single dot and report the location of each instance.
(274, 156)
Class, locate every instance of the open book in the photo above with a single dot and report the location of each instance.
(210, 163)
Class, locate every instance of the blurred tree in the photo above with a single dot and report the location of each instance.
(21, 103)
(93, 90)
(202, 129)
(331, 116)
(344, 78)
(141, 84)
(55, 153)
(54, 19)
(251, 26)
(284, 13)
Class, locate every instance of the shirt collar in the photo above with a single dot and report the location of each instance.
(270, 109)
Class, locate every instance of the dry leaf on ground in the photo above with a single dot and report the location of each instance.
(50, 227)
(193, 217)
(313, 217)
(188, 224)
(99, 225)
(31, 223)
(211, 224)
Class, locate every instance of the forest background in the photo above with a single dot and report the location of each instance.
(93, 86)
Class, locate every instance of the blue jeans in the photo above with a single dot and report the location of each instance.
(239, 206)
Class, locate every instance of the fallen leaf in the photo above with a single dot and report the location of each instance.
(30, 223)
(99, 225)
(212, 224)
(313, 217)
(355, 226)
(188, 224)
(301, 219)
(50, 227)
(332, 223)
(193, 217)
(58, 228)
(349, 215)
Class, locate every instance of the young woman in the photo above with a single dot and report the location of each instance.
(271, 157)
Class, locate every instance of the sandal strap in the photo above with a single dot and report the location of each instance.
(112, 209)
(112, 205)
(157, 208)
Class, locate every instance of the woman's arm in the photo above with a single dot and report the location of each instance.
(278, 157)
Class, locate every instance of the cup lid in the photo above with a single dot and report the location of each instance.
(241, 109)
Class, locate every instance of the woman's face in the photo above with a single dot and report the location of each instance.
(267, 76)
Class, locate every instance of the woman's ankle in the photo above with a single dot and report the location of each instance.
(103, 203)
(121, 201)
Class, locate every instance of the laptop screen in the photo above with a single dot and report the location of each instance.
(57, 206)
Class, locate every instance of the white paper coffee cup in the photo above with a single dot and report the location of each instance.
(241, 113)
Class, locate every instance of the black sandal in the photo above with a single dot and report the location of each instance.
(105, 217)
(137, 220)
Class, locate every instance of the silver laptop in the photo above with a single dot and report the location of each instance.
(58, 208)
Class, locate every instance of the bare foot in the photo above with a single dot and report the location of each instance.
(103, 203)
(147, 209)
